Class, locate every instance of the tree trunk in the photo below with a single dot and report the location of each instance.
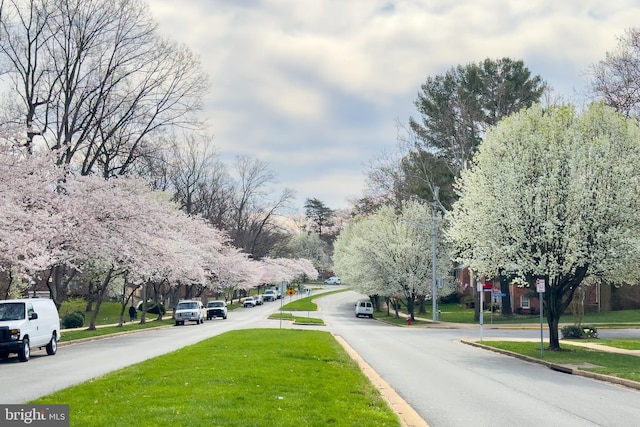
(410, 306)
(143, 315)
(557, 297)
(89, 307)
(553, 299)
(506, 300)
(99, 296)
(475, 295)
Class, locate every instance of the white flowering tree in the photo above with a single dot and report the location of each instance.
(553, 194)
(390, 254)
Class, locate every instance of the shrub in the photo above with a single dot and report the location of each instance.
(153, 308)
(73, 320)
(453, 298)
(71, 305)
(579, 331)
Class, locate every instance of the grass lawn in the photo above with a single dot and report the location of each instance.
(261, 377)
(627, 344)
(70, 335)
(297, 319)
(456, 314)
(301, 304)
(617, 365)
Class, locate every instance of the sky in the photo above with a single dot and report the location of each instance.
(316, 88)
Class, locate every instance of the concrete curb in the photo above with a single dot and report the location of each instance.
(560, 368)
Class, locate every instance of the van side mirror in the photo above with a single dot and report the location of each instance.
(33, 316)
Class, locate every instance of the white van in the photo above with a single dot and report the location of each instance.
(26, 324)
(364, 308)
(189, 311)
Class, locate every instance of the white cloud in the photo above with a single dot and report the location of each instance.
(304, 83)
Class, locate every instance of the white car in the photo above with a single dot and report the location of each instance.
(333, 280)
(189, 311)
(249, 302)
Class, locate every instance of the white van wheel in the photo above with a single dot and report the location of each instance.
(52, 347)
(25, 351)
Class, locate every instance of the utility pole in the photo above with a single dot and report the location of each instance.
(434, 245)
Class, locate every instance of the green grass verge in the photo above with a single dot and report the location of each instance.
(626, 344)
(454, 313)
(297, 319)
(76, 334)
(258, 377)
(302, 304)
(617, 365)
(391, 319)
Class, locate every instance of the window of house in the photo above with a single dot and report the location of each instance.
(524, 301)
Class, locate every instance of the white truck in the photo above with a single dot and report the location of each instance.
(26, 324)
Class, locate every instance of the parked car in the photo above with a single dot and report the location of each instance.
(189, 311)
(216, 309)
(249, 302)
(259, 300)
(270, 295)
(333, 280)
(26, 324)
(364, 308)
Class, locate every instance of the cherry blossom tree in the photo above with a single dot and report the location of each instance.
(104, 229)
(31, 213)
(553, 194)
(115, 235)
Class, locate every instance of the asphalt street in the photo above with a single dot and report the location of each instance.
(448, 383)
(453, 384)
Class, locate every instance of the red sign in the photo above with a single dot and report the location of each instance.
(487, 286)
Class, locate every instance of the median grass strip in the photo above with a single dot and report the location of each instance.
(297, 319)
(601, 362)
(258, 377)
(306, 303)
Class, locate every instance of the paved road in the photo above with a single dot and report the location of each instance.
(76, 363)
(448, 383)
(452, 384)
